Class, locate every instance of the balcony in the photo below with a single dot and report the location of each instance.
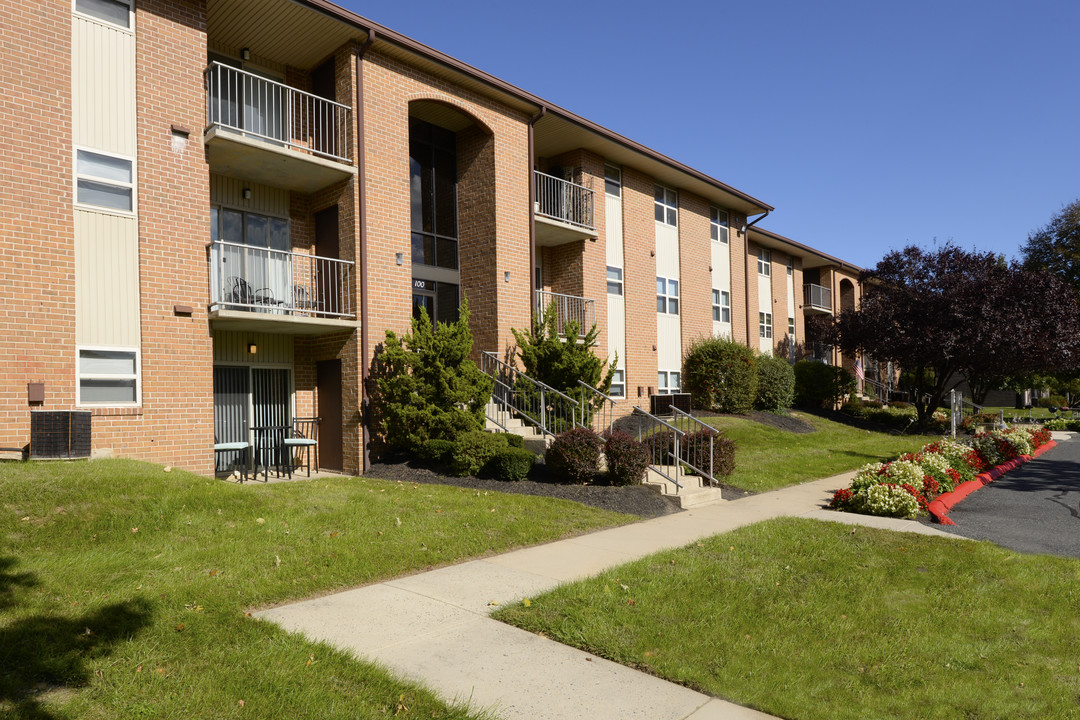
(564, 211)
(818, 352)
(259, 289)
(567, 308)
(271, 133)
(817, 300)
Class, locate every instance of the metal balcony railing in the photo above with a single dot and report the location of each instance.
(275, 112)
(563, 200)
(262, 280)
(817, 297)
(818, 352)
(567, 308)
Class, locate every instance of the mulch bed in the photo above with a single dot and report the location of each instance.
(637, 500)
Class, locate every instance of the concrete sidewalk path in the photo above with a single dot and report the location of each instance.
(434, 627)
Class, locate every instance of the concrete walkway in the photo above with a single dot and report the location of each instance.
(434, 627)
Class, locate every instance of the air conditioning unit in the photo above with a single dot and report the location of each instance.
(662, 404)
(59, 434)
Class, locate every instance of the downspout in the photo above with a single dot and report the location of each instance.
(365, 361)
(532, 212)
(746, 276)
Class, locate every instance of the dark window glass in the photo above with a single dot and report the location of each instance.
(433, 194)
(446, 302)
(279, 234)
(232, 227)
(446, 253)
(423, 301)
(416, 193)
(445, 180)
(258, 230)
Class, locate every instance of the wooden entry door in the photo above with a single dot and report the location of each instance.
(328, 293)
(328, 384)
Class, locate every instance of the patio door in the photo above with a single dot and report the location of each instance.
(270, 400)
(231, 395)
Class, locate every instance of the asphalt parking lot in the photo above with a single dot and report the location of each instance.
(1033, 509)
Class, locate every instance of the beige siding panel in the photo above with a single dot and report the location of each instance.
(616, 314)
(790, 297)
(267, 200)
(668, 343)
(102, 87)
(272, 349)
(106, 279)
(720, 260)
(667, 251)
(613, 228)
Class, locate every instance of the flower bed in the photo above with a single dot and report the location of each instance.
(906, 487)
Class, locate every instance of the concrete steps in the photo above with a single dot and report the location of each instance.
(534, 440)
(695, 491)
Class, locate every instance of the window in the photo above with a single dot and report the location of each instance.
(108, 376)
(721, 306)
(613, 181)
(618, 384)
(440, 299)
(764, 262)
(433, 195)
(667, 296)
(718, 225)
(667, 206)
(790, 266)
(791, 328)
(244, 228)
(614, 280)
(114, 12)
(104, 181)
(765, 324)
(668, 382)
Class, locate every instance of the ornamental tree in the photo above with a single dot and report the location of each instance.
(948, 312)
(424, 386)
(1055, 247)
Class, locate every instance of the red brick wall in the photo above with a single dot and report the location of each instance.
(695, 256)
(37, 274)
(639, 275)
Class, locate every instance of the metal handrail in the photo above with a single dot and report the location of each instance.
(244, 277)
(510, 398)
(659, 467)
(563, 200)
(817, 296)
(273, 111)
(693, 452)
(603, 404)
(566, 308)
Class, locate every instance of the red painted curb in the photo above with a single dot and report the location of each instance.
(941, 505)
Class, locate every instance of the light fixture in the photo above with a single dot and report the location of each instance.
(252, 348)
(247, 193)
(506, 276)
(245, 54)
(399, 258)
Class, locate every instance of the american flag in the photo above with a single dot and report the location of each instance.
(859, 371)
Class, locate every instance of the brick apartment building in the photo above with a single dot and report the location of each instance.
(215, 208)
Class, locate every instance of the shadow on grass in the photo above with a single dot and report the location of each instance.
(44, 653)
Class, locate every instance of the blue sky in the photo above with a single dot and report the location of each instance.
(867, 125)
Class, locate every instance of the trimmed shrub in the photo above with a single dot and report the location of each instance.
(512, 464)
(775, 384)
(1054, 401)
(473, 450)
(436, 451)
(515, 441)
(574, 456)
(694, 449)
(721, 375)
(819, 385)
(627, 459)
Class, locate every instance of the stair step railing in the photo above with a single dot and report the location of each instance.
(517, 395)
(597, 409)
(697, 443)
(662, 439)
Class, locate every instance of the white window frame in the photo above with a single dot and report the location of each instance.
(718, 224)
(668, 206)
(669, 298)
(791, 328)
(790, 266)
(130, 27)
(76, 177)
(614, 282)
(79, 376)
(764, 262)
(765, 328)
(613, 176)
(618, 384)
(721, 306)
(664, 384)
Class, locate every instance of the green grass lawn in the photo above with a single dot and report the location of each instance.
(124, 589)
(767, 458)
(805, 620)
